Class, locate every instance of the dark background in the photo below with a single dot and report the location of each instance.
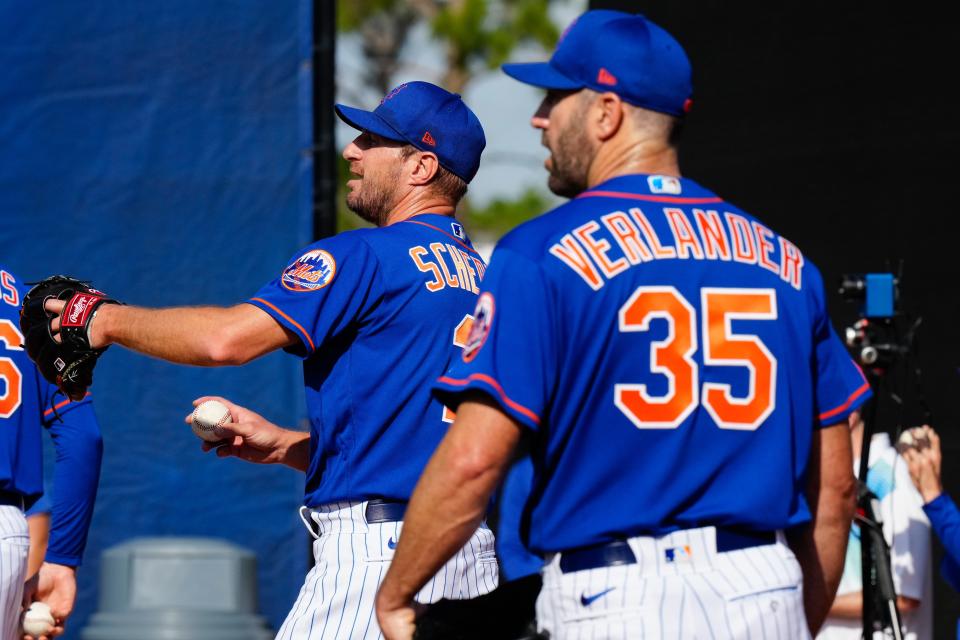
(832, 124)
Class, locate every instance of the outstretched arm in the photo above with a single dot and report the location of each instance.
(447, 506)
(821, 546)
(205, 336)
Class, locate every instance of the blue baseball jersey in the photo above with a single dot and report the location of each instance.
(673, 355)
(379, 314)
(516, 560)
(27, 403)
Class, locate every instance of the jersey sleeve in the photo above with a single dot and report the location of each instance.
(325, 287)
(509, 355)
(841, 387)
(76, 474)
(945, 519)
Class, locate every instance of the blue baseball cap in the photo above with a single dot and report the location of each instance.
(614, 51)
(429, 118)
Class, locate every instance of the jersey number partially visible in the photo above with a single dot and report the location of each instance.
(12, 379)
(672, 357)
(460, 336)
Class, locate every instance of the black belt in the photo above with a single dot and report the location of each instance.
(13, 499)
(384, 510)
(618, 552)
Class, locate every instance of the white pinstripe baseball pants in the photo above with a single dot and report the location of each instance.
(680, 587)
(336, 601)
(14, 545)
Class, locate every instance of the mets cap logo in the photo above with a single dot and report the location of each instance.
(664, 184)
(482, 321)
(394, 92)
(313, 270)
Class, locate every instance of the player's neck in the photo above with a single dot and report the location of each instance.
(416, 203)
(614, 160)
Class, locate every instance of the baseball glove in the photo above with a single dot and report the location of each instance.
(69, 363)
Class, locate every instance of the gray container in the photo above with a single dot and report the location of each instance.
(177, 589)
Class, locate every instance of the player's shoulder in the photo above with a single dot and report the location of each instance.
(342, 246)
(533, 238)
(811, 280)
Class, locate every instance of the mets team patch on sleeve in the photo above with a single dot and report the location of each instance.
(482, 320)
(313, 270)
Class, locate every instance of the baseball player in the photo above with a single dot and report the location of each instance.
(672, 357)
(27, 403)
(907, 532)
(376, 314)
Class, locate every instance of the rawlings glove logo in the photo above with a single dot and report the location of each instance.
(75, 314)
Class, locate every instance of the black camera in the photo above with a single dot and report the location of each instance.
(877, 292)
(874, 339)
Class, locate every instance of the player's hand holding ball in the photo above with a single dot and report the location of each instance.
(38, 621)
(208, 419)
(232, 430)
(921, 450)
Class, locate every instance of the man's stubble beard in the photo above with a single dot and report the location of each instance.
(571, 157)
(375, 197)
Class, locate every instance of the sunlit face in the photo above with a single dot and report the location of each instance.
(561, 119)
(376, 163)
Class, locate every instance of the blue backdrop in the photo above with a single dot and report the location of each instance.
(162, 150)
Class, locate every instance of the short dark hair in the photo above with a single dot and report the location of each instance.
(444, 182)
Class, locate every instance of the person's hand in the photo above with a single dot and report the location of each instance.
(397, 622)
(56, 586)
(924, 463)
(252, 437)
(95, 337)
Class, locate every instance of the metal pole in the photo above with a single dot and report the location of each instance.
(324, 94)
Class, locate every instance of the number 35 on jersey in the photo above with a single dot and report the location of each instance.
(673, 357)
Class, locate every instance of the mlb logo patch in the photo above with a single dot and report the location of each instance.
(664, 184)
(458, 230)
(678, 554)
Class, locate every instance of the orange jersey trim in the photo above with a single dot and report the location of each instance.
(61, 405)
(288, 319)
(648, 198)
(519, 408)
(846, 405)
(452, 237)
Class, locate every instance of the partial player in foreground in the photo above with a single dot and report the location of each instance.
(28, 405)
(906, 529)
(375, 314)
(674, 360)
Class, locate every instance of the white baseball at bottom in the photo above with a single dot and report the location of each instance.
(208, 417)
(37, 620)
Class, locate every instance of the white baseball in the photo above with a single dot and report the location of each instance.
(37, 620)
(208, 417)
(906, 439)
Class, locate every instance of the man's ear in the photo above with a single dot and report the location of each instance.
(424, 168)
(606, 114)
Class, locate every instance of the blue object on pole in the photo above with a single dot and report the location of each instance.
(880, 295)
